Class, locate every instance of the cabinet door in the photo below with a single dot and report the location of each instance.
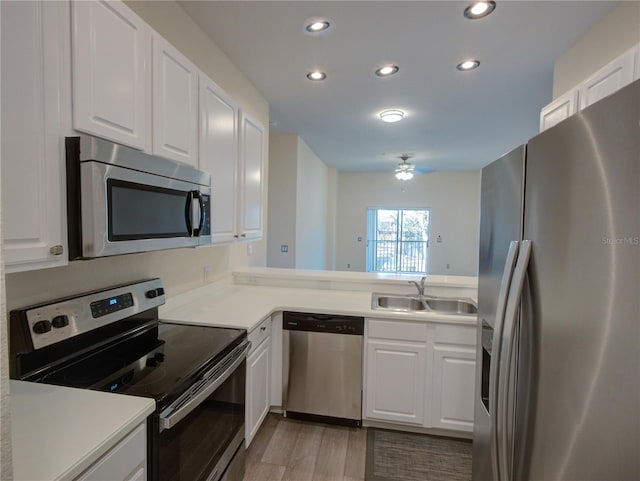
(454, 370)
(251, 177)
(124, 462)
(175, 104)
(258, 389)
(558, 110)
(219, 157)
(608, 79)
(395, 382)
(110, 72)
(35, 111)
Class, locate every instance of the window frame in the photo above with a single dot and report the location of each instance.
(372, 225)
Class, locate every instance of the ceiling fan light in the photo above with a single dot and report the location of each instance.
(391, 115)
(404, 175)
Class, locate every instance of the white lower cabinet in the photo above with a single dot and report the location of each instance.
(453, 377)
(258, 387)
(420, 374)
(396, 367)
(126, 461)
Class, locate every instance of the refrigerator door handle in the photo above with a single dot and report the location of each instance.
(507, 349)
(495, 349)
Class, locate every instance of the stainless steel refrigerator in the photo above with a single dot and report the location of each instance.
(558, 371)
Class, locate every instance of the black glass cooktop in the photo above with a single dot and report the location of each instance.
(159, 363)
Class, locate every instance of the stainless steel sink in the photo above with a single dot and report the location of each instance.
(453, 306)
(397, 302)
(400, 303)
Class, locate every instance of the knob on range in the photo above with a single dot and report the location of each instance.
(155, 293)
(155, 360)
(60, 321)
(41, 327)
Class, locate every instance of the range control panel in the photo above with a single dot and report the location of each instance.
(60, 320)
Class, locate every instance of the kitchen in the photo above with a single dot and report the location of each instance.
(183, 270)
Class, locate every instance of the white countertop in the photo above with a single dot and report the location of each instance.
(243, 306)
(58, 432)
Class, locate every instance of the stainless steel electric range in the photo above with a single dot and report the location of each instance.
(112, 340)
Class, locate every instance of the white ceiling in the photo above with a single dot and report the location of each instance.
(455, 120)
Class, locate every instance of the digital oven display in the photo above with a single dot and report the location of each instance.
(110, 305)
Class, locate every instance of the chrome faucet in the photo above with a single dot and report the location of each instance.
(420, 286)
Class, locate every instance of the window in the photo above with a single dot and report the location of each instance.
(398, 240)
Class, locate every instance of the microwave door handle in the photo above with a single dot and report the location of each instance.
(193, 213)
(188, 215)
(198, 195)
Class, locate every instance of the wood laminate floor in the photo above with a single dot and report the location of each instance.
(292, 450)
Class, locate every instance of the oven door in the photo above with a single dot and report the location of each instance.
(201, 435)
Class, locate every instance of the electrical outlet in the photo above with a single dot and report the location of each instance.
(348, 266)
(284, 248)
(249, 249)
(206, 273)
(448, 266)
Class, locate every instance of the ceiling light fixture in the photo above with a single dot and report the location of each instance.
(317, 25)
(404, 171)
(387, 70)
(479, 9)
(316, 75)
(393, 115)
(467, 65)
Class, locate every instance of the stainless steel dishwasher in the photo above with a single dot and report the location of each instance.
(322, 367)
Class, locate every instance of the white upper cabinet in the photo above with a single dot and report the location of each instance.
(110, 72)
(251, 177)
(36, 111)
(608, 79)
(219, 157)
(175, 104)
(559, 109)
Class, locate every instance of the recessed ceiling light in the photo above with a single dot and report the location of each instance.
(316, 75)
(317, 25)
(392, 115)
(468, 65)
(387, 70)
(479, 9)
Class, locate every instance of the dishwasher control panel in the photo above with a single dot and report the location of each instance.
(303, 321)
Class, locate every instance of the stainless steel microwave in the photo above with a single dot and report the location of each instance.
(121, 201)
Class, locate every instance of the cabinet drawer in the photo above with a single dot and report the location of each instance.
(397, 330)
(259, 334)
(448, 334)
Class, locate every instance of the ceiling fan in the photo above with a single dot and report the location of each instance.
(404, 170)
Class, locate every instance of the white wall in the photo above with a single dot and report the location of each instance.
(454, 200)
(180, 269)
(6, 468)
(332, 213)
(311, 210)
(300, 206)
(283, 167)
(609, 38)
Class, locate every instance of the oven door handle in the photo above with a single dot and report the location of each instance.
(177, 411)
